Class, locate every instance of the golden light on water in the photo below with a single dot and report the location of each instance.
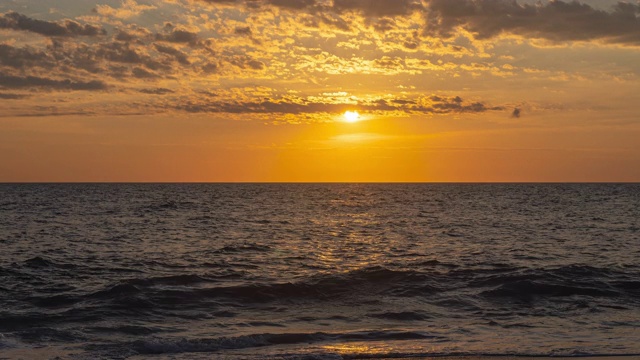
(352, 116)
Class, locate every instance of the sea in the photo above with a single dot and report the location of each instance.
(318, 271)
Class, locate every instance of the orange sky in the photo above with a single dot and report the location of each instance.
(256, 90)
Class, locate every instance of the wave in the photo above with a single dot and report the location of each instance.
(40, 262)
(456, 288)
(526, 289)
(403, 316)
(246, 247)
(304, 341)
(7, 343)
(125, 329)
(566, 281)
(185, 287)
(182, 280)
(168, 205)
(156, 346)
(493, 283)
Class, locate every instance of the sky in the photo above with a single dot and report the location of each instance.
(257, 91)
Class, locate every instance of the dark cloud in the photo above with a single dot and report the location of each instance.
(48, 111)
(116, 59)
(133, 34)
(141, 73)
(448, 105)
(411, 45)
(384, 24)
(179, 36)
(516, 113)
(255, 64)
(125, 36)
(255, 4)
(210, 68)
(296, 105)
(378, 7)
(66, 28)
(244, 31)
(6, 96)
(21, 58)
(293, 4)
(387, 62)
(556, 20)
(325, 13)
(131, 54)
(222, 1)
(120, 52)
(18, 82)
(157, 91)
(245, 62)
(178, 55)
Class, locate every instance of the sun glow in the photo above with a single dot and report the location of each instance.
(351, 116)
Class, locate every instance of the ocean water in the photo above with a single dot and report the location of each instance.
(318, 271)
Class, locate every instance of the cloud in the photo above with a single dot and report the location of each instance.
(293, 4)
(365, 7)
(141, 73)
(65, 28)
(156, 91)
(255, 64)
(243, 30)
(129, 9)
(375, 46)
(516, 113)
(377, 8)
(8, 96)
(121, 52)
(180, 56)
(115, 59)
(556, 20)
(179, 36)
(133, 34)
(446, 105)
(20, 58)
(18, 82)
(314, 105)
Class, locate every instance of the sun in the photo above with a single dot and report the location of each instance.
(351, 116)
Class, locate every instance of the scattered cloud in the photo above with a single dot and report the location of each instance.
(21, 58)
(129, 9)
(178, 36)
(180, 56)
(434, 105)
(555, 20)
(65, 28)
(378, 8)
(27, 82)
(295, 45)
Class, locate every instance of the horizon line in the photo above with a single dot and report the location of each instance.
(309, 182)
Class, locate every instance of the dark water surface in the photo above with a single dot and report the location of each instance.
(318, 271)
